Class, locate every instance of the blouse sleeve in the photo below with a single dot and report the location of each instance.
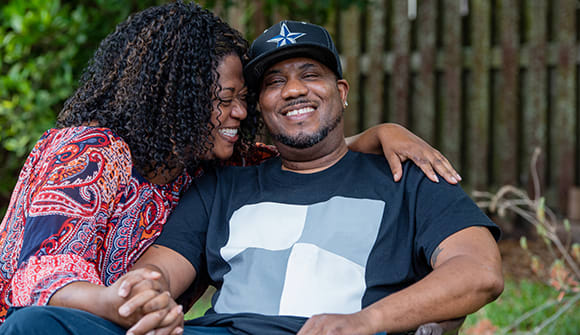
(78, 182)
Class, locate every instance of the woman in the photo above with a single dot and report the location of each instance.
(96, 190)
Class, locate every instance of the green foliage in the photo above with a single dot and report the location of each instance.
(44, 45)
(518, 298)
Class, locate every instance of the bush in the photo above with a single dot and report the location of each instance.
(44, 45)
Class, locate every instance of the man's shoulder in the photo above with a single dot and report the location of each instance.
(374, 164)
(361, 158)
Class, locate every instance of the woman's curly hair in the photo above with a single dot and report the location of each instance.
(152, 82)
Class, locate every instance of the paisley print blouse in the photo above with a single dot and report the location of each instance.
(81, 212)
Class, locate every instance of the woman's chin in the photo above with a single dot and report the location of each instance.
(221, 155)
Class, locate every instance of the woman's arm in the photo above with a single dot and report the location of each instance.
(399, 144)
(71, 184)
(144, 288)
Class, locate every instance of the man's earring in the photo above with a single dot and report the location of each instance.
(346, 104)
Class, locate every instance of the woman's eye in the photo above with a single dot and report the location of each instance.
(226, 102)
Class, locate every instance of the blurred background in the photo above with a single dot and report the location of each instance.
(484, 81)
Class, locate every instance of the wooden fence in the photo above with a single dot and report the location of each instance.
(484, 81)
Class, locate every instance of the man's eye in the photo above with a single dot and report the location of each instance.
(273, 82)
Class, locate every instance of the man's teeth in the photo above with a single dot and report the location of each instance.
(300, 111)
(231, 132)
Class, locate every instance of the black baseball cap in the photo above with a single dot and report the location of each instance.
(289, 39)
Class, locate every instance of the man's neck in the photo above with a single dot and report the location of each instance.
(313, 159)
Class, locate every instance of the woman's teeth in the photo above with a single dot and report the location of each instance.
(300, 111)
(230, 132)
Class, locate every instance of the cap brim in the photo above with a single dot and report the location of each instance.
(255, 69)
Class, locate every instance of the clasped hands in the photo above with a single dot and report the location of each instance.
(144, 304)
(148, 308)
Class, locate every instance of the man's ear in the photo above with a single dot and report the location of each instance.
(343, 87)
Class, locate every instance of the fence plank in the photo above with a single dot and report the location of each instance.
(478, 115)
(400, 78)
(506, 134)
(259, 19)
(451, 111)
(236, 17)
(535, 88)
(564, 126)
(423, 102)
(350, 41)
(374, 97)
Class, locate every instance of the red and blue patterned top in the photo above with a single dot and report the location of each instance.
(80, 212)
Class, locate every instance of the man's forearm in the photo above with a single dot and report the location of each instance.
(458, 287)
(176, 271)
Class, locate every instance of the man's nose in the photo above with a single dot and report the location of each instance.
(294, 88)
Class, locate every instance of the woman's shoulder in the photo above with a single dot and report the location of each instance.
(94, 137)
(80, 132)
(78, 145)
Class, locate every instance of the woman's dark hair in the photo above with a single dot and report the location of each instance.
(152, 82)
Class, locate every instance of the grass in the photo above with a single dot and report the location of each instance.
(517, 299)
(201, 306)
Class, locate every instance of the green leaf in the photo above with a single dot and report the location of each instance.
(541, 210)
(567, 225)
(524, 243)
(17, 23)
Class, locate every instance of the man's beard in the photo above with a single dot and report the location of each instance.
(303, 141)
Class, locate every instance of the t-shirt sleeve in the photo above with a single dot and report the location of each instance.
(441, 210)
(186, 229)
(71, 198)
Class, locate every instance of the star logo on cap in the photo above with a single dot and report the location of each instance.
(285, 37)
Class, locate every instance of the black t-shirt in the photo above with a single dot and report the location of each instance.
(281, 246)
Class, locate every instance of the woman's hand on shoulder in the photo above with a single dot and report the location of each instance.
(399, 144)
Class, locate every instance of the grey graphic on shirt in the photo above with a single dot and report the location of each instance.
(299, 259)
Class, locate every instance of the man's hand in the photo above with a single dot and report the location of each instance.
(148, 305)
(337, 324)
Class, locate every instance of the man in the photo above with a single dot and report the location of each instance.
(321, 240)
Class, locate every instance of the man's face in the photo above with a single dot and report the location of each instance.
(301, 101)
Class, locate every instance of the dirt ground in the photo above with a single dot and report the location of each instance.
(516, 261)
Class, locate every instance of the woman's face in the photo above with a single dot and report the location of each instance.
(229, 109)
